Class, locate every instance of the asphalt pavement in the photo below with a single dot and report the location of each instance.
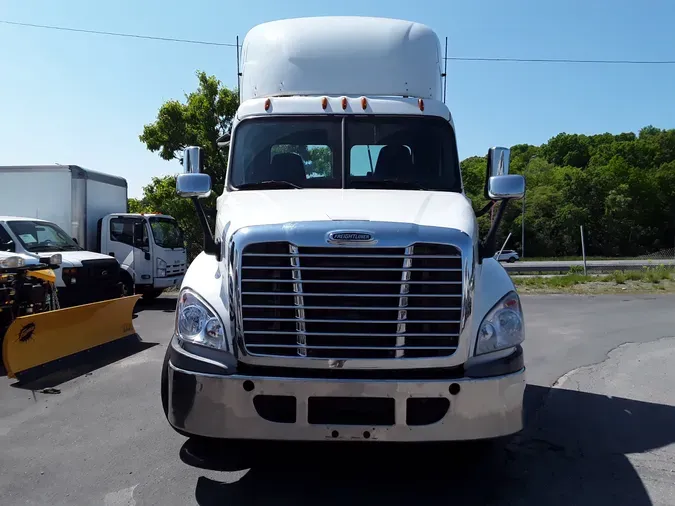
(604, 434)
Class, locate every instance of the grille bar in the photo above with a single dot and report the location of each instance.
(328, 255)
(351, 294)
(347, 334)
(361, 302)
(381, 269)
(356, 281)
(347, 321)
(397, 348)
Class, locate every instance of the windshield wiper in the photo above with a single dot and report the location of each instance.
(389, 183)
(44, 248)
(271, 184)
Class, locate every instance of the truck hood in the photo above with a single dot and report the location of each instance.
(436, 209)
(74, 258)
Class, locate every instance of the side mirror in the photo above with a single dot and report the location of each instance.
(192, 183)
(223, 141)
(497, 165)
(193, 160)
(511, 186)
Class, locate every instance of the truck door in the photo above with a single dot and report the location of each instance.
(142, 255)
(129, 244)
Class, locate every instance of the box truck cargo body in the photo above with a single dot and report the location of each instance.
(67, 195)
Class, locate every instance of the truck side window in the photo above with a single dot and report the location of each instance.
(6, 242)
(122, 230)
(141, 235)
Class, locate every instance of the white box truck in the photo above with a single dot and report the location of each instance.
(345, 294)
(81, 213)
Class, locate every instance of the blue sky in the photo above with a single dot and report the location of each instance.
(83, 99)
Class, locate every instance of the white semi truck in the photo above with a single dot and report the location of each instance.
(81, 214)
(359, 303)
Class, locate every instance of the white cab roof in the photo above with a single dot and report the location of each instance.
(341, 56)
(21, 218)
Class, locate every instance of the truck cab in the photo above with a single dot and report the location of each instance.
(150, 247)
(84, 276)
(345, 294)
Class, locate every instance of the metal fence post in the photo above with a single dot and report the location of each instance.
(583, 248)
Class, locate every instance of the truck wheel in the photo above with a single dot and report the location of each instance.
(127, 285)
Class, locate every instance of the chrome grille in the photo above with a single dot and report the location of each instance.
(347, 303)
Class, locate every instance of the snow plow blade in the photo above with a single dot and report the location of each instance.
(43, 339)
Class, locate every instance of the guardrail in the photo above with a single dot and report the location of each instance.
(552, 267)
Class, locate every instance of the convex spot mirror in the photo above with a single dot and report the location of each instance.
(193, 183)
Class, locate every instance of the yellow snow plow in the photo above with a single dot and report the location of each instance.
(36, 333)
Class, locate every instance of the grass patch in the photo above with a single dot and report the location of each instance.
(659, 278)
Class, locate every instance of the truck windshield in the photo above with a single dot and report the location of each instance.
(37, 236)
(387, 152)
(166, 233)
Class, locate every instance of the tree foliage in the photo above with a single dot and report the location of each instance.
(621, 188)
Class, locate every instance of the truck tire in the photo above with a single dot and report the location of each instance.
(127, 284)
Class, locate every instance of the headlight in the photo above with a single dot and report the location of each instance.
(161, 268)
(56, 259)
(197, 323)
(502, 327)
(12, 262)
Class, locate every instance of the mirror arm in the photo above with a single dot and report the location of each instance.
(487, 207)
(488, 246)
(211, 246)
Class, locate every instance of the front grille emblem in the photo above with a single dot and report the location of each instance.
(350, 237)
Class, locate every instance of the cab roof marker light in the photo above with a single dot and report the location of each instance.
(268, 103)
(344, 103)
(420, 103)
(364, 103)
(324, 103)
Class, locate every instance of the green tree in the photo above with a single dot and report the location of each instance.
(205, 115)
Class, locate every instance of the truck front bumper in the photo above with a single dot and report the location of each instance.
(314, 409)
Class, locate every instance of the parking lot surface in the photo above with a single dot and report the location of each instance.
(600, 429)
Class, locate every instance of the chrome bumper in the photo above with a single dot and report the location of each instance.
(230, 407)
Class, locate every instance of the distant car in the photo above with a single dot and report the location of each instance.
(508, 255)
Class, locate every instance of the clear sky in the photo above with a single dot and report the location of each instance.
(74, 98)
